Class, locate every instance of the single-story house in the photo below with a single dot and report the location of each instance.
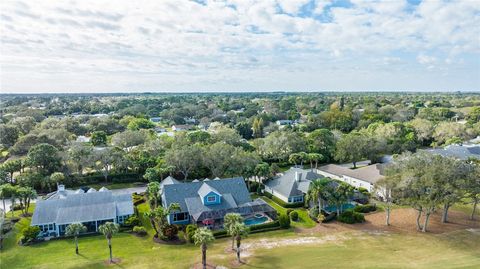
(155, 119)
(284, 122)
(364, 177)
(182, 127)
(207, 202)
(462, 152)
(91, 208)
(292, 186)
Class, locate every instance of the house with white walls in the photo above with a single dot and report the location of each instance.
(362, 177)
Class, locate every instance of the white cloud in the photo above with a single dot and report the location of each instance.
(175, 40)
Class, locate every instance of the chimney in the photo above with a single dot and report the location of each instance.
(296, 176)
(61, 187)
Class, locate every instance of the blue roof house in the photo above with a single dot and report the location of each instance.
(207, 202)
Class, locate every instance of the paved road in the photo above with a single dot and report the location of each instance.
(116, 191)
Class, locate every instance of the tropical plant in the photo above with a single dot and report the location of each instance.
(74, 230)
(158, 218)
(229, 222)
(239, 230)
(153, 193)
(203, 237)
(109, 229)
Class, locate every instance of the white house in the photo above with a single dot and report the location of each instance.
(91, 208)
(364, 177)
(182, 127)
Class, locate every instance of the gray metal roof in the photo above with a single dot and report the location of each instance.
(293, 182)
(206, 189)
(82, 207)
(462, 152)
(196, 207)
(182, 192)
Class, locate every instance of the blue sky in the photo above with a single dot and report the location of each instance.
(239, 45)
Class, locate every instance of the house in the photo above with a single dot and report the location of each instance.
(292, 186)
(362, 177)
(155, 119)
(462, 152)
(182, 127)
(160, 130)
(91, 208)
(207, 202)
(82, 139)
(284, 122)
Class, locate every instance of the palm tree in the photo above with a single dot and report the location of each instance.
(316, 191)
(239, 230)
(314, 158)
(229, 221)
(202, 237)
(74, 230)
(153, 193)
(109, 229)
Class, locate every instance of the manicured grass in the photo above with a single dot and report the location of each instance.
(459, 249)
(303, 219)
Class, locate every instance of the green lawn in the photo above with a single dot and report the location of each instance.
(303, 219)
(459, 249)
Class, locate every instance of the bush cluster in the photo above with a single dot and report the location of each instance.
(190, 231)
(138, 199)
(365, 208)
(294, 215)
(30, 234)
(140, 230)
(76, 180)
(282, 203)
(284, 221)
(132, 221)
(351, 217)
(170, 231)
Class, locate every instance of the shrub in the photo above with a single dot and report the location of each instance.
(30, 233)
(140, 230)
(329, 217)
(365, 208)
(170, 231)
(351, 217)
(321, 218)
(284, 221)
(132, 221)
(313, 213)
(16, 207)
(289, 210)
(138, 199)
(294, 215)
(264, 226)
(190, 231)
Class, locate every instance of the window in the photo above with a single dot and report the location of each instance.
(180, 216)
(50, 226)
(297, 199)
(211, 198)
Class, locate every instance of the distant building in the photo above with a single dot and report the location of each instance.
(160, 130)
(284, 122)
(182, 127)
(155, 119)
(91, 208)
(462, 152)
(82, 139)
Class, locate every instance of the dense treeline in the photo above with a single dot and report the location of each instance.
(236, 134)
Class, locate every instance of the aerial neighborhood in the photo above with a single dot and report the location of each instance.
(256, 177)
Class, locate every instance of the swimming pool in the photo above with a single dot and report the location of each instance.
(333, 208)
(255, 220)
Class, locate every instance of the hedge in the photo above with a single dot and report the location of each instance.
(365, 208)
(264, 227)
(351, 217)
(76, 180)
(282, 203)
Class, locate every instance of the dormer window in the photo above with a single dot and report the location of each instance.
(211, 198)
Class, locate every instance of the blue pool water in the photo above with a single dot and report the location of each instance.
(333, 208)
(254, 220)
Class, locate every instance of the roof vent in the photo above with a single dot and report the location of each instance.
(61, 187)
